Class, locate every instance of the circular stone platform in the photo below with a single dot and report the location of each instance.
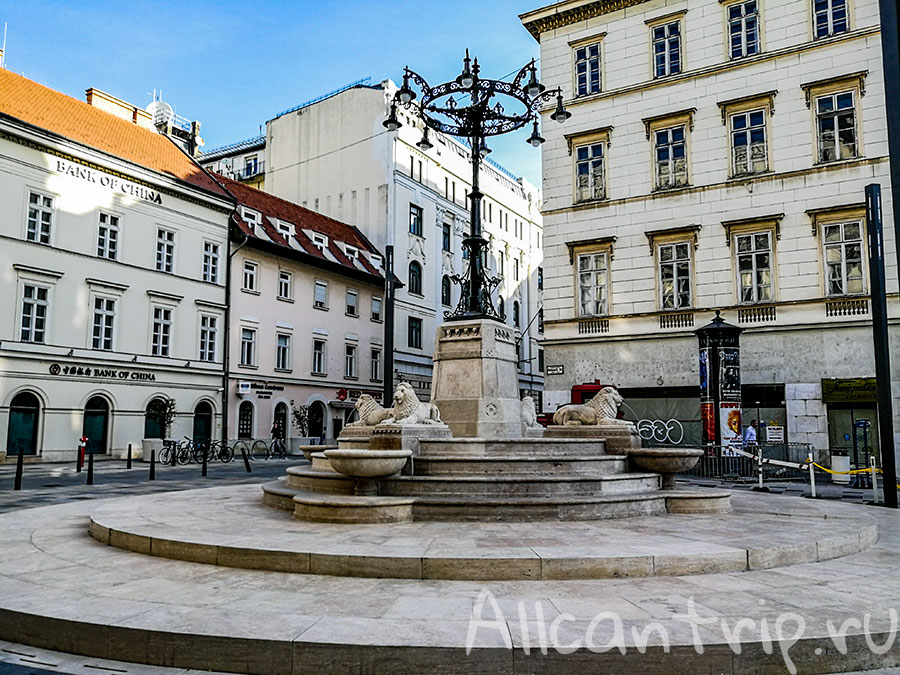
(64, 590)
(230, 527)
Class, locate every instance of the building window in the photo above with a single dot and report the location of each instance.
(285, 285)
(414, 333)
(250, 217)
(320, 297)
(516, 317)
(352, 303)
(104, 323)
(515, 269)
(376, 308)
(831, 17)
(540, 278)
(843, 258)
(592, 284)
(671, 157)
(836, 126)
(415, 278)
(251, 271)
(501, 307)
(415, 220)
(540, 360)
(208, 331)
(540, 320)
(589, 172)
(445, 237)
(318, 360)
(35, 301)
(108, 236)
(667, 49)
(587, 69)
(754, 263)
(743, 29)
(320, 241)
(675, 275)
(248, 347)
(748, 143)
(283, 352)
(162, 331)
(165, 250)
(40, 218)
(445, 291)
(350, 361)
(376, 365)
(211, 262)
(251, 166)
(285, 228)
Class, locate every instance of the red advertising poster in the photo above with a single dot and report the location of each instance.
(708, 419)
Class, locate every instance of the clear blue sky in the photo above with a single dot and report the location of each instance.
(234, 65)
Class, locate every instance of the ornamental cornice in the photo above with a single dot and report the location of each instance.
(566, 17)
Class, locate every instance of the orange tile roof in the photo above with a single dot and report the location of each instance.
(42, 107)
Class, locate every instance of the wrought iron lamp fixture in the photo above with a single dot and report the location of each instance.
(473, 107)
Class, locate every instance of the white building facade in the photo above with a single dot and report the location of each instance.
(112, 266)
(334, 157)
(716, 159)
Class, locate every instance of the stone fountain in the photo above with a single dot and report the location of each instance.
(476, 453)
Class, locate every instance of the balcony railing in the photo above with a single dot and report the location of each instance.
(680, 320)
(757, 314)
(593, 326)
(847, 307)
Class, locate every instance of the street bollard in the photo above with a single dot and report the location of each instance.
(20, 467)
(203, 472)
(153, 464)
(79, 462)
(876, 498)
(812, 475)
(90, 478)
(128, 465)
(246, 460)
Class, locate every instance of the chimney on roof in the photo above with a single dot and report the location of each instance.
(116, 106)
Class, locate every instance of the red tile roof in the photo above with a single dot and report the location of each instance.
(302, 218)
(53, 111)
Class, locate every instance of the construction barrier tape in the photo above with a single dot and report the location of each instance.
(804, 466)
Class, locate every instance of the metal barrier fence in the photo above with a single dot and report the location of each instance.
(722, 463)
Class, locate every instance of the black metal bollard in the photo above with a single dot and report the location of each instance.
(79, 459)
(246, 460)
(90, 478)
(128, 465)
(20, 467)
(153, 464)
(205, 455)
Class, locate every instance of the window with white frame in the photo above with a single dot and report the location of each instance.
(415, 220)
(320, 241)
(165, 250)
(320, 295)
(210, 262)
(251, 166)
(748, 143)
(251, 274)
(162, 331)
(350, 360)
(446, 237)
(674, 275)
(593, 281)
(754, 265)
(376, 308)
(285, 285)
(414, 333)
(671, 157)
(843, 258)
(351, 252)
(108, 236)
(836, 126)
(743, 28)
(285, 228)
(208, 332)
(666, 49)
(41, 211)
(283, 352)
(376, 365)
(318, 357)
(251, 217)
(830, 17)
(352, 302)
(248, 346)
(589, 172)
(35, 303)
(103, 323)
(587, 69)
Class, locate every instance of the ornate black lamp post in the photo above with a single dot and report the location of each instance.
(465, 107)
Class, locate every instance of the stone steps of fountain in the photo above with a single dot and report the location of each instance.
(467, 465)
(512, 447)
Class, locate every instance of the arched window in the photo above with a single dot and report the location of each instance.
(24, 414)
(245, 420)
(445, 291)
(501, 308)
(415, 278)
(516, 314)
(155, 419)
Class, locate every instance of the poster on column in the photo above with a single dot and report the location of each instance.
(729, 374)
(730, 425)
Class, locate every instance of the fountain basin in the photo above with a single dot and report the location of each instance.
(666, 461)
(367, 465)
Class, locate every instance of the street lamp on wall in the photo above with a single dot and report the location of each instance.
(474, 108)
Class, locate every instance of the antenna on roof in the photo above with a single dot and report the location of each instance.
(3, 48)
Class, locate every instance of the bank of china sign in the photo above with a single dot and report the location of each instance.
(105, 180)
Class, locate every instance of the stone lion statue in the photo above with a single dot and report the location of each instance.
(603, 408)
(408, 409)
(529, 413)
(370, 412)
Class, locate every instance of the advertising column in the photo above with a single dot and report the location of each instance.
(720, 384)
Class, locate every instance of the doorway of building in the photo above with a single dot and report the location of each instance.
(154, 419)
(245, 420)
(280, 422)
(203, 418)
(846, 422)
(96, 425)
(317, 420)
(24, 415)
(337, 425)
